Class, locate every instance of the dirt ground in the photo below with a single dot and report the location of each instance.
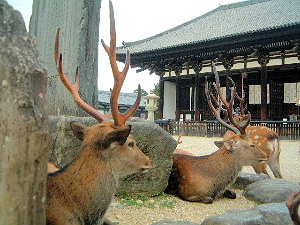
(146, 211)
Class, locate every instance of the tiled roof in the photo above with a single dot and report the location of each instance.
(228, 20)
(126, 99)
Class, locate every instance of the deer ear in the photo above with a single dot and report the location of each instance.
(231, 145)
(78, 130)
(219, 144)
(119, 135)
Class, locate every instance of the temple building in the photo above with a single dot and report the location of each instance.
(258, 37)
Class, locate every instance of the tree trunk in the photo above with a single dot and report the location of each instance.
(24, 135)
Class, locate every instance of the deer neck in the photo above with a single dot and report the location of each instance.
(91, 181)
(224, 163)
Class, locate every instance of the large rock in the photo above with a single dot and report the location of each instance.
(272, 214)
(151, 139)
(270, 190)
(24, 134)
(159, 146)
(245, 179)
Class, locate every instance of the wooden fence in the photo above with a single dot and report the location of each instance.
(287, 130)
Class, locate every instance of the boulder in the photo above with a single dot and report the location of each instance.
(159, 146)
(151, 139)
(273, 213)
(270, 190)
(244, 179)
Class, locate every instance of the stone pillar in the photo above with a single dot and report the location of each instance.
(24, 134)
(79, 23)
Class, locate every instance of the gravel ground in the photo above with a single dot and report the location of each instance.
(146, 211)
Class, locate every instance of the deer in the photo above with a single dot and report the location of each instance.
(205, 178)
(81, 192)
(265, 138)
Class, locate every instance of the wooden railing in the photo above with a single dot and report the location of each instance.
(287, 130)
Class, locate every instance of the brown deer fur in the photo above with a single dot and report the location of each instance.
(81, 192)
(203, 178)
(267, 140)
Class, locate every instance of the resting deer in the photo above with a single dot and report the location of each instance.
(204, 178)
(81, 192)
(265, 138)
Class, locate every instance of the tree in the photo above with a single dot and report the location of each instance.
(144, 93)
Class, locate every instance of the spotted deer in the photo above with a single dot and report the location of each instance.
(204, 178)
(81, 192)
(265, 138)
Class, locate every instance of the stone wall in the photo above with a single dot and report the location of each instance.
(79, 37)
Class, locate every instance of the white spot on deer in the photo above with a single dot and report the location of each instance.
(257, 137)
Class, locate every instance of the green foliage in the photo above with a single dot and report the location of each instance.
(144, 93)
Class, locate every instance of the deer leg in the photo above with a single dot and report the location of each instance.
(260, 168)
(229, 194)
(274, 166)
(203, 199)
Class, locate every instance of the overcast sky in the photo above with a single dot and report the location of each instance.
(136, 20)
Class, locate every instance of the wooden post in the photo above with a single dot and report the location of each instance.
(263, 60)
(198, 96)
(161, 100)
(177, 116)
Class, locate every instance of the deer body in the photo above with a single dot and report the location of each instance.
(268, 141)
(204, 178)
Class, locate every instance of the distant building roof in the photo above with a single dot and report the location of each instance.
(225, 21)
(126, 99)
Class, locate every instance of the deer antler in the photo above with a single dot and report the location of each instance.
(74, 89)
(236, 128)
(242, 98)
(119, 77)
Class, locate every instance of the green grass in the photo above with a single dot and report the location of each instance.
(159, 201)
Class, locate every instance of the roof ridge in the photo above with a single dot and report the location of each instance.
(219, 8)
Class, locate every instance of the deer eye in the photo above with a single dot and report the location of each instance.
(252, 146)
(131, 144)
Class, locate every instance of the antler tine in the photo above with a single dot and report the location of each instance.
(74, 89)
(229, 105)
(119, 77)
(217, 112)
(242, 98)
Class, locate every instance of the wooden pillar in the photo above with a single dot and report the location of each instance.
(161, 99)
(177, 116)
(263, 61)
(198, 90)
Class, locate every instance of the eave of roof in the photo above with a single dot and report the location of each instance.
(225, 21)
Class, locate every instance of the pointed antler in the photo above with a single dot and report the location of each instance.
(119, 77)
(242, 98)
(236, 128)
(74, 89)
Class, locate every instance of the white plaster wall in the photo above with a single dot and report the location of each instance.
(169, 107)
